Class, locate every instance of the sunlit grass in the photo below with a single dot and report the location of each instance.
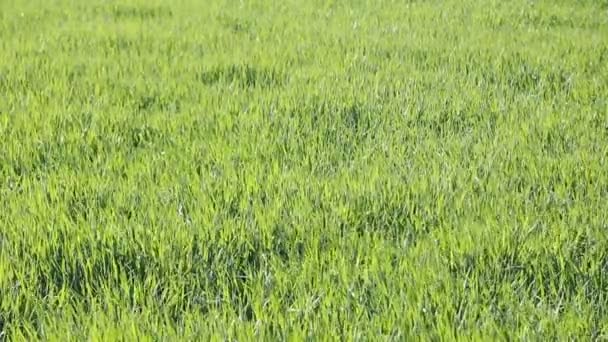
(291, 170)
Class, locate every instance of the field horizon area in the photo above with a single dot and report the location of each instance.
(303, 170)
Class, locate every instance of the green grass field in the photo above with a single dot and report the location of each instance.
(291, 170)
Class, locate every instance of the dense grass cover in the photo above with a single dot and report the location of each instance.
(367, 169)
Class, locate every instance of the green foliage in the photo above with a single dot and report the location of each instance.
(296, 170)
